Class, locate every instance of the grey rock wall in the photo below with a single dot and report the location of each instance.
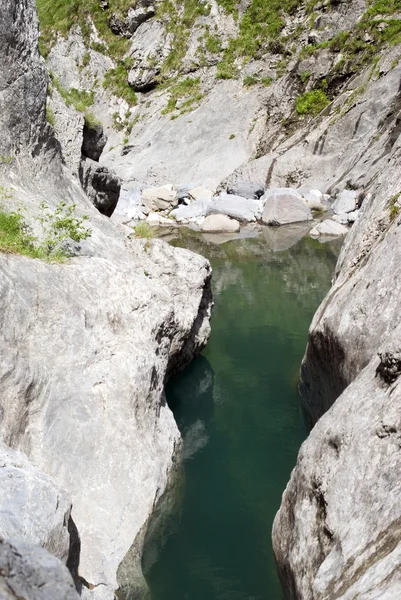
(29, 572)
(86, 345)
(32, 507)
(337, 532)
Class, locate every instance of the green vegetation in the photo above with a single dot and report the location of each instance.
(304, 76)
(311, 103)
(143, 230)
(59, 16)
(187, 92)
(50, 116)
(260, 26)
(15, 237)
(394, 206)
(58, 228)
(232, 136)
(116, 81)
(179, 23)
(5, 160)
(212, 43)
(81, 100)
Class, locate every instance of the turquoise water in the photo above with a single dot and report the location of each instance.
(238, 410)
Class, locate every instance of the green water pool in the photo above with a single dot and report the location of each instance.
(238, 409)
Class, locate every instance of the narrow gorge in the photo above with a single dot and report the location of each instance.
(144, 143)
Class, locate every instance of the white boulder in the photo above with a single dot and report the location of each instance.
(220, 224)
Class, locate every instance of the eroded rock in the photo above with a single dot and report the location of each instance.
(101, 185)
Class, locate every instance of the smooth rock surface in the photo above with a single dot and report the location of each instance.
(160, 198)
(220, 224)
(32, 507)
(195, 210)
(246, 189)
(338, 531)
(328, 228)
(283, 207)
(28, 572)
(346, 202)
(242, 209)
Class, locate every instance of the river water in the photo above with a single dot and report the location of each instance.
(239, 413)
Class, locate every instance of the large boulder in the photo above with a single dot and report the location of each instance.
(160, 198)
(242, 209)
(220, 224)
(32, 506)
(283, 207)
(195, 210)
(346, 202)
(200, 193)
(28, 572)
(100, 184)
(246, 189)
(328, 228)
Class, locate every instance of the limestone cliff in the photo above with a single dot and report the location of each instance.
(86, 344)
(337, 532)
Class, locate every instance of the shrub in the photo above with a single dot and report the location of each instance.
(58, 227)
(143, 230)
(50, 116)
(311, 103)
(394, 207)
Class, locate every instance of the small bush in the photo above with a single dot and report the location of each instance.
(394, 207)
(311, 103)
(50, 116)
(143, 230)
(116, 81)
(58, 227)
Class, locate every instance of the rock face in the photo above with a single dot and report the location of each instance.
(28, 572)
(107, 350)
(337, 533)
(86, 345)
(32, 506)
(22, 91)
(94, 141)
